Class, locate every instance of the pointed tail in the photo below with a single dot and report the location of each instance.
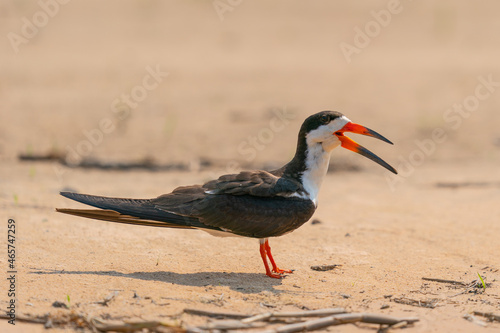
(129, 211)
(113, 216)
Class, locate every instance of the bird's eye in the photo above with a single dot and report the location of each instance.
(325, 119)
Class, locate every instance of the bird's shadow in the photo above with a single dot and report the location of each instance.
(247, 283)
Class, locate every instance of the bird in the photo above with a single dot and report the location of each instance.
(257, 204)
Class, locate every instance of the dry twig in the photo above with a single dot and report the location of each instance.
(231, 324)
(25, 319)
(345, 318)
(309, 313)
(474, 320)
(431, 304)
(267, 315)
(213, 314)
(469, 287)
(460, 283)
(330, 317)
(491, 316)
(130, 326)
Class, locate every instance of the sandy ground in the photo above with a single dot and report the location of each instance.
(228, 82)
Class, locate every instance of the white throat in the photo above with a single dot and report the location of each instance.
(317, 161)
(320, 143)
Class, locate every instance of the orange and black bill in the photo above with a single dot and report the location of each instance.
(357, 148)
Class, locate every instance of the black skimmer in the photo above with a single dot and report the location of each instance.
(257, 204)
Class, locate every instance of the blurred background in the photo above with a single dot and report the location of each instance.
(183, 81)
(134, 98)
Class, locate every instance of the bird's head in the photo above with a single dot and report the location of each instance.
(328, 127)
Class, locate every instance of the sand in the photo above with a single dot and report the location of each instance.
(234, 92)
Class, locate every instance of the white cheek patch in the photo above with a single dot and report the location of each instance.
(339, 123)
(325, 132)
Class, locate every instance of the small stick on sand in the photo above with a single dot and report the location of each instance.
(259, 317)
(413, 302)
(445, 281)
(309, 313)
(130, 327)
(267, 315)
(215, 314)
(229, 324)
(345, 318)
(491, 316)
(469, 286)
(474, 320)
(25, 319)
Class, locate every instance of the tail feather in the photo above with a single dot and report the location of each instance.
(130, 211)
(113, 216)
(122, 205)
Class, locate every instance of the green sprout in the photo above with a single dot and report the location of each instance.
(482, 281)
(69, 302)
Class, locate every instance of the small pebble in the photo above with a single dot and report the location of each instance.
(323, 268)
(48, 324)
(58, 304)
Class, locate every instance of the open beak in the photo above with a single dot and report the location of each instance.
(357, 148)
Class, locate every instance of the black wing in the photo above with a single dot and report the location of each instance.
(255, 183)
(252, 204)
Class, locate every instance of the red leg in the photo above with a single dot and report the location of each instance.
(264, 259)
(275, 268)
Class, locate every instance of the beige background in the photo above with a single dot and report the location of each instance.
(226, 81)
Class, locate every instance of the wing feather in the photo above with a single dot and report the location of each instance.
(255, 183)
(250, 203)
